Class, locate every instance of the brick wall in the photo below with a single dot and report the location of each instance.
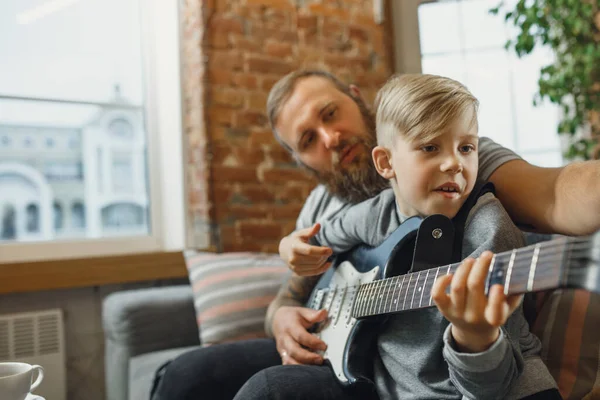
(244, 191)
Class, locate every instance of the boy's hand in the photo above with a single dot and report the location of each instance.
(302, 258)
(476, 319)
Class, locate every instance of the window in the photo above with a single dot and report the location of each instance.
(462, 40)
(86, 133)
(58, 217)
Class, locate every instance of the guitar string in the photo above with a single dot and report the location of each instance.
(574, 246)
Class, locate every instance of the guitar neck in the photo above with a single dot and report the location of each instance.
(542, 266)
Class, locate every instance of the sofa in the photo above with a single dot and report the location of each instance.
(136, 345)
(145, 328)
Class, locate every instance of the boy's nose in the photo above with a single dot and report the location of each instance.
(452, 164)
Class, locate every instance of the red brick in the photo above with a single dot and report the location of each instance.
(307, 22)
(234, 174)
(249, 118)
(284, 175)
(262, 33)
(242, 43)
(268, 66)
(291, 194)
(246, 81)
(228, 135)
(256, 101)
(249, 157)
(333, 27)
(364, 20)
(251, 246)
(321, 9)
(262, 137)
(279, 49)
(219, 76)
(225, 60)
(279, 4)
(264, 230)
(221, 194)
(228, 235)
(272, 248)
(287, 211)
(359, 34)
(229, 98)
(219, 41)
(240, 212)
(281, 156)
(268, 82)
(336, 44)
(257, 193)
(220, 115)
(219, 24)
(219, 152)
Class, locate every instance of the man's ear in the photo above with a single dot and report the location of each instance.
(383, 162)
(355, 91)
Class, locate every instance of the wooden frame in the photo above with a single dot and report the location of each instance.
(81, 272)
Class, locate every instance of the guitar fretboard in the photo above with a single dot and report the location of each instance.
(533, 268)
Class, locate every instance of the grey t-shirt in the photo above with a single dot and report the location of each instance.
(415, 358)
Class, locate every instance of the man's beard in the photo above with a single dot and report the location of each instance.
(359, 181)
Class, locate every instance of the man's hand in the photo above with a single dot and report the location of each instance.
(294, 343)
(476, 319)
(302, 258)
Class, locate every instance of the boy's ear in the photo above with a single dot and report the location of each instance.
(383, 162)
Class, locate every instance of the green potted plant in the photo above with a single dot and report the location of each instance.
(571, 28)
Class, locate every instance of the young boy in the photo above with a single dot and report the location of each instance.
(471, 346)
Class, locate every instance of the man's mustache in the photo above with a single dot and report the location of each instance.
(336, 157)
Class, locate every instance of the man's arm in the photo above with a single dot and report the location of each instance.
(563, 200)
(294, 292)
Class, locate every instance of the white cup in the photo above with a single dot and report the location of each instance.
(16, 378)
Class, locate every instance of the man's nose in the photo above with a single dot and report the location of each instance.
(331, 138)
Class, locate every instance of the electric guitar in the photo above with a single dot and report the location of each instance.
(399, 274)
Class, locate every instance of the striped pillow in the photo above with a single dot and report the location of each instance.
(567, 323)
(232, 292)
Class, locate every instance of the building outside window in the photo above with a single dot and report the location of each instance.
(79, 118)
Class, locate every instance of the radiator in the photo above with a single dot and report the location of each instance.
(37, 338)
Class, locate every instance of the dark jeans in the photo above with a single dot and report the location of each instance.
(251, 369)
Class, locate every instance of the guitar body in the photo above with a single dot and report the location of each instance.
(351, 342)
(362, 287)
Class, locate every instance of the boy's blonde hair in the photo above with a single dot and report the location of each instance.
(420, 107)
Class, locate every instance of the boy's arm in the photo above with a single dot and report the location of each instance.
(369, 222)
(491, 373)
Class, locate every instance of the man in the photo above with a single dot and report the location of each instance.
(329, 130)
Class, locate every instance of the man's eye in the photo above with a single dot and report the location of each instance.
(428, 149)
(330, 114)
(308, 140)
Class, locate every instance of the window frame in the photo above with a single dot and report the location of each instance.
(160, 33)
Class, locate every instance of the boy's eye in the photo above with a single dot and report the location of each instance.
(428, 148)
(467, 148)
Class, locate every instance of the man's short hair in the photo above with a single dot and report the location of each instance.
(283, 89)
(420, 107)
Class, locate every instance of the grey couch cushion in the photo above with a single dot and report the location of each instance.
(143, 367)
